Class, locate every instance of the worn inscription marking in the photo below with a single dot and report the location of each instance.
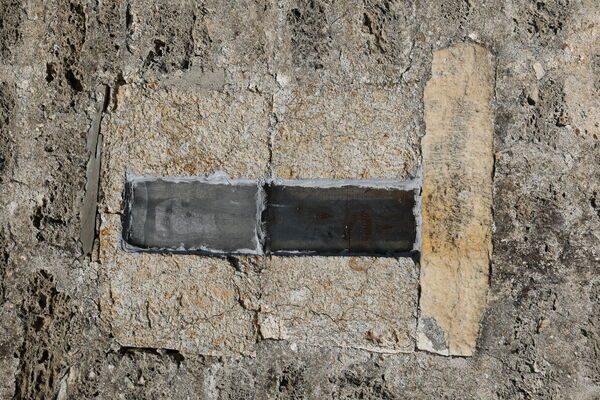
(192, 215)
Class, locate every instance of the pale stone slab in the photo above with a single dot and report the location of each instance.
(456, 199)
(174, 131)
(358, 302)
(329, 131)
(196, 305)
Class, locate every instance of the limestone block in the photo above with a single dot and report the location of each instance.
(327, 131)
(456, 199)
(187, 303)
(348, 41)
(581, 68)
(359, 302)
(175, 131)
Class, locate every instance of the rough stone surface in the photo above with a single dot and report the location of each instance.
(540, 329)
(456, 203)
(366, 303)
(331, 131)
(191, 304)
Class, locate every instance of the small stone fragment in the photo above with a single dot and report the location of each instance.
(539, 70)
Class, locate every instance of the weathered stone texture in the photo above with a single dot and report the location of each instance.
(174, 131)
(360, 131)
(456, 199)
(582, 65)
(358, 302)
(540, 330)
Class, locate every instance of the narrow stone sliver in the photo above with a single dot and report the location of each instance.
(457, 199)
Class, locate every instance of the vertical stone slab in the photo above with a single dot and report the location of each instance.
(456, 199)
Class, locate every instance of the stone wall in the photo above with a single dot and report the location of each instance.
(298, 89)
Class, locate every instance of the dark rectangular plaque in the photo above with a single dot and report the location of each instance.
(348, 219)
(189, 215)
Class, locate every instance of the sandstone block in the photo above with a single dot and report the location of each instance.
(456, 199)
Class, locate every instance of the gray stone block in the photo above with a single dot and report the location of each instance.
(192, 215)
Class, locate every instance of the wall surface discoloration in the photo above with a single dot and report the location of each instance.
(456, 199)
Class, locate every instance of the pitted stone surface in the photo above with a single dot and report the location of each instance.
(360, 302)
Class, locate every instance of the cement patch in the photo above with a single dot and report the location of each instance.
(356, 220)
(193, 215)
